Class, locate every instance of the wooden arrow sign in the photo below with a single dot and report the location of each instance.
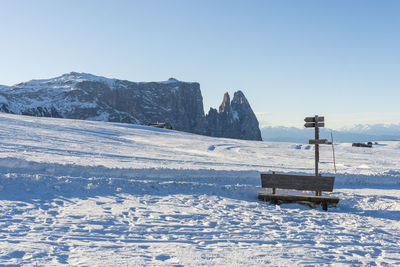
(319, 142)
(312, 119)
(312, 124)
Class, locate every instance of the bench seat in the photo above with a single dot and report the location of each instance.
(319, 200)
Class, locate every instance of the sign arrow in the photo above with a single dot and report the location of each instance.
(312, 124)
(312, 119)
(319, 142)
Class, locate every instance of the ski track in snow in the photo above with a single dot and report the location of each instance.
(92, 193)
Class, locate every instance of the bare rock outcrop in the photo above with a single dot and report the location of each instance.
(234, 119)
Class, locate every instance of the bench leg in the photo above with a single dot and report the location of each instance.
(275, 201)
(325, 206)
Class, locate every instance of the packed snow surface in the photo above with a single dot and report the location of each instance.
(95, 193)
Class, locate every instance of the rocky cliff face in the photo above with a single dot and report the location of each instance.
(179, 104)
(234, 119)
(85, 96)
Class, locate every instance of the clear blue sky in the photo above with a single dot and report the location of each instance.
(292, 59)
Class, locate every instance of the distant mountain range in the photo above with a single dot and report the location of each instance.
(358, 133)
(90, 97)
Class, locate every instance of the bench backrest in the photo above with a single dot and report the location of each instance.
(298, 182)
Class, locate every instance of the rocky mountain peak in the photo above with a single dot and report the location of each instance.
(226, 104)
(239, 99)
(235, 119)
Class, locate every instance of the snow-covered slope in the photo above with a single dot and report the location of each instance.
(95, 193)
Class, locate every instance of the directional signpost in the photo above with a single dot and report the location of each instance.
(316, 122)
(315, 183)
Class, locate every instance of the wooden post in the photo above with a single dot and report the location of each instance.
(333, 151)
(273, 189)
(316, 145)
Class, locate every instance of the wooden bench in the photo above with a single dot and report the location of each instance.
(298, 182)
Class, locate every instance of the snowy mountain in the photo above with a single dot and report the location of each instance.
(86, 96)
(375, 129)
(87, 193)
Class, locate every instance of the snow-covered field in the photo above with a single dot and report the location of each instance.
(94, 193)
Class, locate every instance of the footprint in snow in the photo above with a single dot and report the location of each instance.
(16, 254)
(162, 257)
